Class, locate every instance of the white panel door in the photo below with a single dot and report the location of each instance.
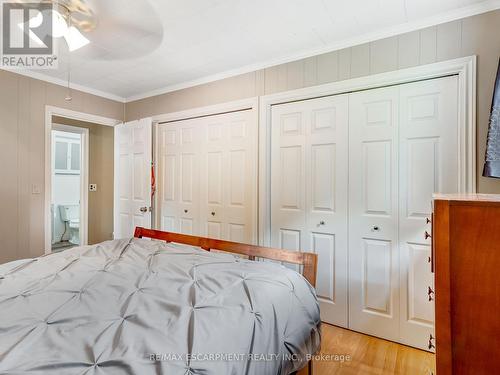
(212, 176)
(288, 180)
(178, 176)
(428, 141)
(373, 213)
(228, 177)
(132, 191)
(208, 176)
(309, 192)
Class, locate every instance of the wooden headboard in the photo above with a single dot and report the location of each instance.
(309, 261)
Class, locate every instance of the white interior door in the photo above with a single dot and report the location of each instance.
(373, 212)
(178, 176)
(428, 142)
(208, 176)
(309, 192)
(213, 213)
(229, 177)
(132, 192)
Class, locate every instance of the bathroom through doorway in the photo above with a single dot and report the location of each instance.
(69, 203)
(79, 186)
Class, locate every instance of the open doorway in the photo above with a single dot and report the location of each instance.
(69, 196)
(79, 179)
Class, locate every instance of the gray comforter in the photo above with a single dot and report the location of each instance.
(145, 307)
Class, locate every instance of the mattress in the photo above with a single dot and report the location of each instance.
(136, 306)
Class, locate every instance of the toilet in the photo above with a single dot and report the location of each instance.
(70, 215)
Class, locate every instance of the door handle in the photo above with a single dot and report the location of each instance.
(143, 209)
(213, 213)
(375, 228)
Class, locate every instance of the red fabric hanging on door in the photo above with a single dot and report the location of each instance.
(153, 181)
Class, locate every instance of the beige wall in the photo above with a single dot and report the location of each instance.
(478, 35)
(22, 154)
(101, 161)
(23, 100)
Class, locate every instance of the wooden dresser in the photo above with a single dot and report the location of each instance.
(466, 262)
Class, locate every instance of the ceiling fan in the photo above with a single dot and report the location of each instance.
(106, 30)
(101, 30)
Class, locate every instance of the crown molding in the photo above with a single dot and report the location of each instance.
(61, 82)
(407, 27)
(464, 12)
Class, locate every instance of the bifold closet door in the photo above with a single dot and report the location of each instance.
(373, 212)
(179, 146)
(403, 147)
(228, 177)
(309, 192)
(208, 176)
(428, 160)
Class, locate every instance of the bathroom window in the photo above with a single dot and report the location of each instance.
(67, 155)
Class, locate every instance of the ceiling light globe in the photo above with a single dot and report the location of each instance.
(59, 25)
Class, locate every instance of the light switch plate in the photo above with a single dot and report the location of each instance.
(92, 187)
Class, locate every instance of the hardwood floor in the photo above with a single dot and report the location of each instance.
(369, 355)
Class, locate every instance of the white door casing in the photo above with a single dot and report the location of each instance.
(373, 212)
(309, 192)
(429, 154)
(132, 188)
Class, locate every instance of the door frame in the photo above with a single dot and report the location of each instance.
(51, 111)
(464, 68)
(251, 104)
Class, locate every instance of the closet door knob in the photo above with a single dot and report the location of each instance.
(375, 228)
(427, 235)
(321, 222)
(143, 209)
(213, 213)
(185, 211)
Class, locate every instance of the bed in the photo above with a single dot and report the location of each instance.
(171, 305)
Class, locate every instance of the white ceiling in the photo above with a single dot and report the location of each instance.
(178, 44)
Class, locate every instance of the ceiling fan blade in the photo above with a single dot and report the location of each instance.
(117, 30)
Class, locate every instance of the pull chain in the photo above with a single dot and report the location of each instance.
(69, 97)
